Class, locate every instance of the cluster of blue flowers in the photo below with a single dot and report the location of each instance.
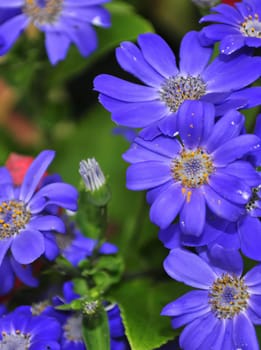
(32, 226)
(199, 166)
(193, 156)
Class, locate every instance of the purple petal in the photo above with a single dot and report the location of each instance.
(193, 214)
(249, 229)
(57, 45)
(228, 343)
(191, 338)
(27, 246)
(166, 146)
(84, 38)
(167, 205)
(217, 72)
(158, 54)
(215, 339)
(257, 130)
(7, 276)
(95, 15)
(193, 56)
(145, 175)
(189, 268)
(14, 3)
(47, 223)
(252, 42)
(123, 90)
(189, 302)
(226, 260)
(11, 29)
(59, 193)
(5, 176)
(182, 320)
(160, 148)
(251, 97)
(170, 237)
(131, 59)
(139, 114)
(34, 174)
(244, 333)
(24, 273)
(245, 171)
(220, 206)
(230, 187)
(51, 248)
(190, 123)
(216, 32)
(255, 305)
(4, 246)
(232, 43)
(236, 148)
(253, 280)
(225, 129)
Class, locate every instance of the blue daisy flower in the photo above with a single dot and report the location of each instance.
(156, 103)
(235, 26)
(74, 246)
(195, 170)
(19, 330)
(63, 22)
(225, 306)
(25, 222)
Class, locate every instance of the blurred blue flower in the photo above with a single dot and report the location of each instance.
(197, 169)
(63, 22)
(235, 26)
(74, 246)
(25, 222)
(20, 330)
(155, 105)
(221, 314)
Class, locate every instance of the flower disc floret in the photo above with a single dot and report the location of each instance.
(177, 89)
(13, 217)
(192, 168)
(73, 328)
(43, 12)
(16, 340)
(251, 27)
(228, 296)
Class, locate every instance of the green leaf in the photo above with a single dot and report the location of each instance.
(126, 25)
(96, 331)
(141, 302)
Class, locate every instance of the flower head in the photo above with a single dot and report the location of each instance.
(25, 219)
(196, 169)
(19, 330)
(235, 26)
(63, 22)
(155, 105)
(225, 307)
